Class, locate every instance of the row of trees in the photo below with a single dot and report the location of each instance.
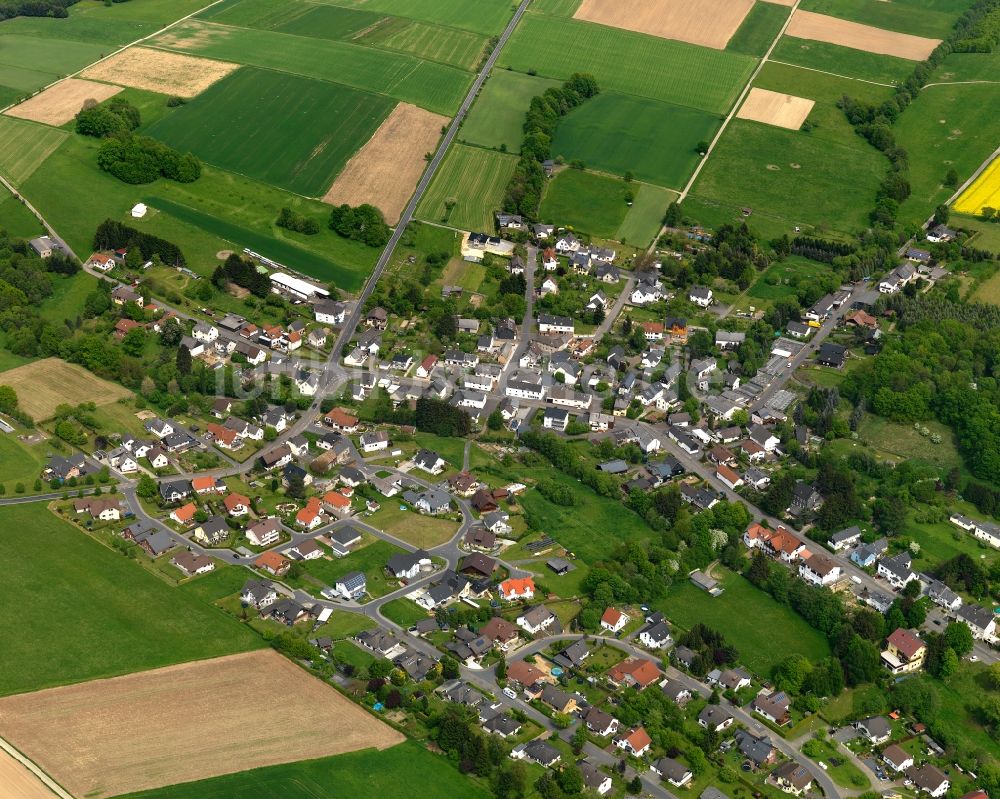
(113, 235)
(524, 191)
(35, 8)
(140, 159)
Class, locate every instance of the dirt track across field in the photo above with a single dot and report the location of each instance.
(58, 104)
(774, 108)
(709, 23)
(188, 722)
(823, 28)
(385, 171)
(16, 782)
(160, 71)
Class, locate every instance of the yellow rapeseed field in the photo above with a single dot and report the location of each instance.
(983, 193)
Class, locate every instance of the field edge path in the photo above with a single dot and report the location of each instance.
(45, 779)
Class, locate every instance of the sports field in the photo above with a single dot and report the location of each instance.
(620, 133)
(497, 118)
(770, 170)
(983, 193)
(436, 87)
(43, 385)
(389, 774)
(475, 180)
(932, 18)
(100, 614)
(591, 203)
(952, 127)
(842, 60)
(759, 29)
(313, 127)
(186, 722)
(24, 146)
(645, 217)
(631, 63)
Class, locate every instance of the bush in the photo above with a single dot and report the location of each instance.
(298, 223)
(114, 118)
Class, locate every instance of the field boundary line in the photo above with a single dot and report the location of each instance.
(837, 75)
(29, 764)
(121, 49)
(959, 83)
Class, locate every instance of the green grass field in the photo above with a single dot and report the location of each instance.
(770, 170)
(404, 612)
(292, 16)
(903, 441)
(313, 127)
(48, 59)
(759, 29)
(475, 179)
(842, 60)
(620, 133)
(952, 127)
(987, 237)
(557, 8)
(370, 560)
(777, 630)
(436, 87)
(89, 612)
(628, 62)
(24, 146)
(68, 297)
(390, 774)
(779, 280)
(20, 462)
(15, 218)
(414, 528)
(585, 201)
(497, 118)
(645, 217)
(969, 66)
(457, 48)
(214, 213)
(482, 16)
(931, 18)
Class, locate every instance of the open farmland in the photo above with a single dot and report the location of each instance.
(482, 16)
(631, 63)
(433, 42)
(618, 133)
(45, 384)
(386, 170)
(709, 23)
(585, 201)
(774, 108)
(644, 218)
(841, 60)
(121, 617)
(823, 28)
(497, 118)
(29, 62)
(474, 180)
(436, 87)
(932, 18)
(983, 193)
(59, 104)
(17, 782)
(24, 147)
(185, 722)
(759, 29)
(389, 774)
(159, 71)
(314, 127)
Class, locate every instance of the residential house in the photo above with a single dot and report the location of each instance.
(673, 771)
(407, 565)
(876, 729)
(594, 779)
(655, 635)
(517, 588)
(896, 758)
(700, 296)
(614, 620)
(772, 706)
(212, 532)
(259, 593)
(634, 672)
(981, 621)
(191, 563)
(351, 586)
(845, 539)
(758, 750)
(264, 532)
(635, 742)
(536, 619)
(429, 461)
(714, 717)
(273, 563)
(793, 778)
(676, 691)
(929, 779)
(819, 569)
(897, 570)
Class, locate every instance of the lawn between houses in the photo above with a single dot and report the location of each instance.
(100, 614)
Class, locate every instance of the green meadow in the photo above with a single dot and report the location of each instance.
(474, 180)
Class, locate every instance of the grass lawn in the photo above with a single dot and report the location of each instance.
(903, 442)
(953, 128)
(221, 582)
(20, 462)
(776, 631)
(369, 559)
(450, 448)
(16, 219)
(619, 133)
(644, 218)
(91, 613)
(497, 118)
(627, 62)
(315, 127)
(586, 201)
(345, 625)
(415, 528)
(567, 585)
(759, 29)
(24, 146)
(942, 541)
(768, 169)
(842, 60)
(473, 181)
(68, 297)
(404, 612)
(987, 237)
(780, 279)
(348, 652)
(961, 696)
(839, 767)
(390, 774)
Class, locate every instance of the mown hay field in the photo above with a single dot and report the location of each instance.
(289, 131)
(709, 23)
(497, 118)
(619, 133)
(436, 87)
(631, 63)
(160, 71)
(588, 202)
(644, 218)
(43, 385)
(475, 180)
(24, 147)
(99, 615)
(186, 722)
(759, 29)
(59, 104)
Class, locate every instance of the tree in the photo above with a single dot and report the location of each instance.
(861, 661)
(958, 637)
(501, 669)
(948, 665)
(183, 360)
(146, 487)
(634, 786)
(446, 328)
(579, 738)
(570, 780)
(673, 216)
(134, 342)
(993, 675)
(951, 179)
(449, 668)
(495, 420)
(942, 214)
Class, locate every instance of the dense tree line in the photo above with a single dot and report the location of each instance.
(524, 191)
(113, 235)
(113, 118)
(440, 418)
(140, 159)
(364, 223)
(296, 222)
(242, 272)
(35, 8)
